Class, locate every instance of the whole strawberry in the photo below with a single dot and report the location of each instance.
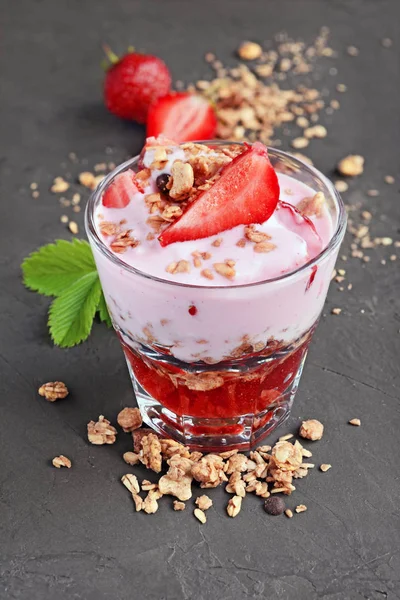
(133, 82)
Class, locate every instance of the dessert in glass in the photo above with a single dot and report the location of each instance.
(215, 259)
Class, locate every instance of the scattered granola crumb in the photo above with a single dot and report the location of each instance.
(73, 227)
(53, 390)
(203, 502)
(129, 419)
(351, 165)
(299, 143)
(131, 483)
(301, 508)
(64, 219)
(138, 502)
(61, 461)
(389, 179)
(87, 179)
(234, 506)
(249, 51)
(35, 194)
(355, 422)
(311, 430)
(341, 186)
(336, 311)
(373, 193)
(318, 131)
(131, 458)
(285, 438)
(325, 467)
(200, 515)
(59, 185)
(150, 454)
(341, 87)
(101, 432)
(179, 505)
(216, 243)
(289, 513)
(353, 51)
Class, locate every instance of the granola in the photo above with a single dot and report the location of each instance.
(61, 461)
(178, 480)
(182, 180)
(129, 419)
(101, 432)
(234, 506)
(209, 471)
(311, 430)
(150, 454)
(53, 390)
(203, 502)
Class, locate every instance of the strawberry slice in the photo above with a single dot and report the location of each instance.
(183, 117)
(119, 193)
(247, 192)
(293, 220)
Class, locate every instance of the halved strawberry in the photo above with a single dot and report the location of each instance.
(119, 193)
(292, 218)
(247, 192)
(183, 117)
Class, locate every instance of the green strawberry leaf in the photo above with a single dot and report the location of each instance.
(55, 267)
(103, 311)
(71, 314)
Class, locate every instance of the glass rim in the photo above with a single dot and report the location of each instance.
(334, 242)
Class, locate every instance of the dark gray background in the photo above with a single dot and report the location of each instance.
(73, 534)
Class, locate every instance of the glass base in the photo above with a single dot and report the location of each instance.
(213, 434)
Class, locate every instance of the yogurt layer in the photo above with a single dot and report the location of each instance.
(207, 319)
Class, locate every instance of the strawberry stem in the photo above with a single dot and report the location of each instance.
(112, 57)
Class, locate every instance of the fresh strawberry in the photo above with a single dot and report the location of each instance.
(183, 117)
(119, 193)
(292, 218)
(151, 142)
(247, 192)
(133, 82)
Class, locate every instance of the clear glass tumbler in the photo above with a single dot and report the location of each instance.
(239, 400)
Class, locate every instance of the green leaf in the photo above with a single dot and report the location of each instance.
(71, 314)
(103, 311)
(55, 267)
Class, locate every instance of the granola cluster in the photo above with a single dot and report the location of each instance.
(266, 471)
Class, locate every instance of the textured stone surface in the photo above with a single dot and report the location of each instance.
(73, 534)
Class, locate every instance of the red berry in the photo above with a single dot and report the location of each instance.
(247, 192)
(192, 310)
(133, 83)
(182, 116)
(119, 193)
